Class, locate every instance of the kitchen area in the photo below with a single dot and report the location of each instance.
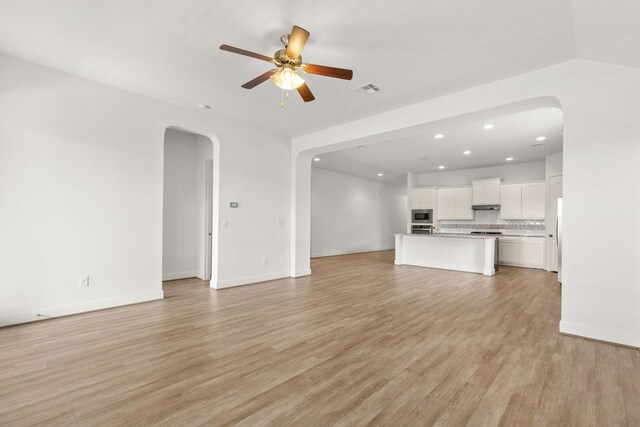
(477, 227)
(468, 194)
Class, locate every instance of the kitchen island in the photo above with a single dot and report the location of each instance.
(460, 252)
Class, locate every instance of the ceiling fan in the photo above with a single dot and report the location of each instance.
(288, 62)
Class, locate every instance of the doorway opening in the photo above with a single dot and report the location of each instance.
(188, 203)
(520, 143)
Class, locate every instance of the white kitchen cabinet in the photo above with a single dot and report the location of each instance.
(423, 198)
(533, 200)
(429, 198)
(508, 251)
(522, 201)
(511, 201)
(446, 204)
(532, 252)
(454, 203)
(462, 201)
(486, 191)
(478, 190)
(521, 251)
(416, 198)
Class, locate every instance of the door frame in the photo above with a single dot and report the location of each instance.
(550, 235)
(215, 194)
(208, 215)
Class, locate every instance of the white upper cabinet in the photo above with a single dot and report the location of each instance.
(446, 204)
(492, 192)
(454, 203)
(423, 198)
(486, 191)
(533, 206)
(511, 201)
(416, 198)
(478, 189)
(462, 200)
(429, 198)
(523, 201)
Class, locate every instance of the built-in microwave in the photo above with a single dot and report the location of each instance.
(422, 216)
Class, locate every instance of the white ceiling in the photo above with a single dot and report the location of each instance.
(412, 49)
(608, 31)
(512, 136)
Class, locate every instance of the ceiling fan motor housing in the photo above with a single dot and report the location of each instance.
(281, 58)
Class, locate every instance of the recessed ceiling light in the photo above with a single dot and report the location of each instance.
(380, 174)
(487, 126)
(541, 138)
(316, 159)
(466, 153)
(204, 106)
(440, 167)
(508, 159)
(438, 136)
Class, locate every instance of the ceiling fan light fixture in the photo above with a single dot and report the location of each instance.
(287, 79)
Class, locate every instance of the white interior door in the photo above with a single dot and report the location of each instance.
(555, 192)
(208, 229)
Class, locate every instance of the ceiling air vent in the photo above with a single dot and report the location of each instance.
(368, 88)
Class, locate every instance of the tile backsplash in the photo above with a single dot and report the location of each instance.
(490, 220)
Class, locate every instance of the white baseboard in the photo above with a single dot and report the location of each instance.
(301, 273)
(587, 331)
(349, 252)
(180, 275)
(250, 280)
(515, 264)
(30, 316)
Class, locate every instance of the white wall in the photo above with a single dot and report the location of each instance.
(517, 172)
(350, 214)
(81, 184)
(601, 151)
(553, 165)
(183, 204)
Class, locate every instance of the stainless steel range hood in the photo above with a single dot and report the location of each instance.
(485, 207)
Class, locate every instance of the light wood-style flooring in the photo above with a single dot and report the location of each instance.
(360, 342)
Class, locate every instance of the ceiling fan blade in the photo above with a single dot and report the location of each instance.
(305, 93)
(245, 52)
(297, 40)
(261, 78)
(321, 70)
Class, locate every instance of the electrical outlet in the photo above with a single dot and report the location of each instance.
(84, 282)
(265, 261)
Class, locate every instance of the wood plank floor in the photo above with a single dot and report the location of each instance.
(360, 342)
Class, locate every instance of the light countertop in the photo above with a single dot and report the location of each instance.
(451, 235)
(506, 233)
